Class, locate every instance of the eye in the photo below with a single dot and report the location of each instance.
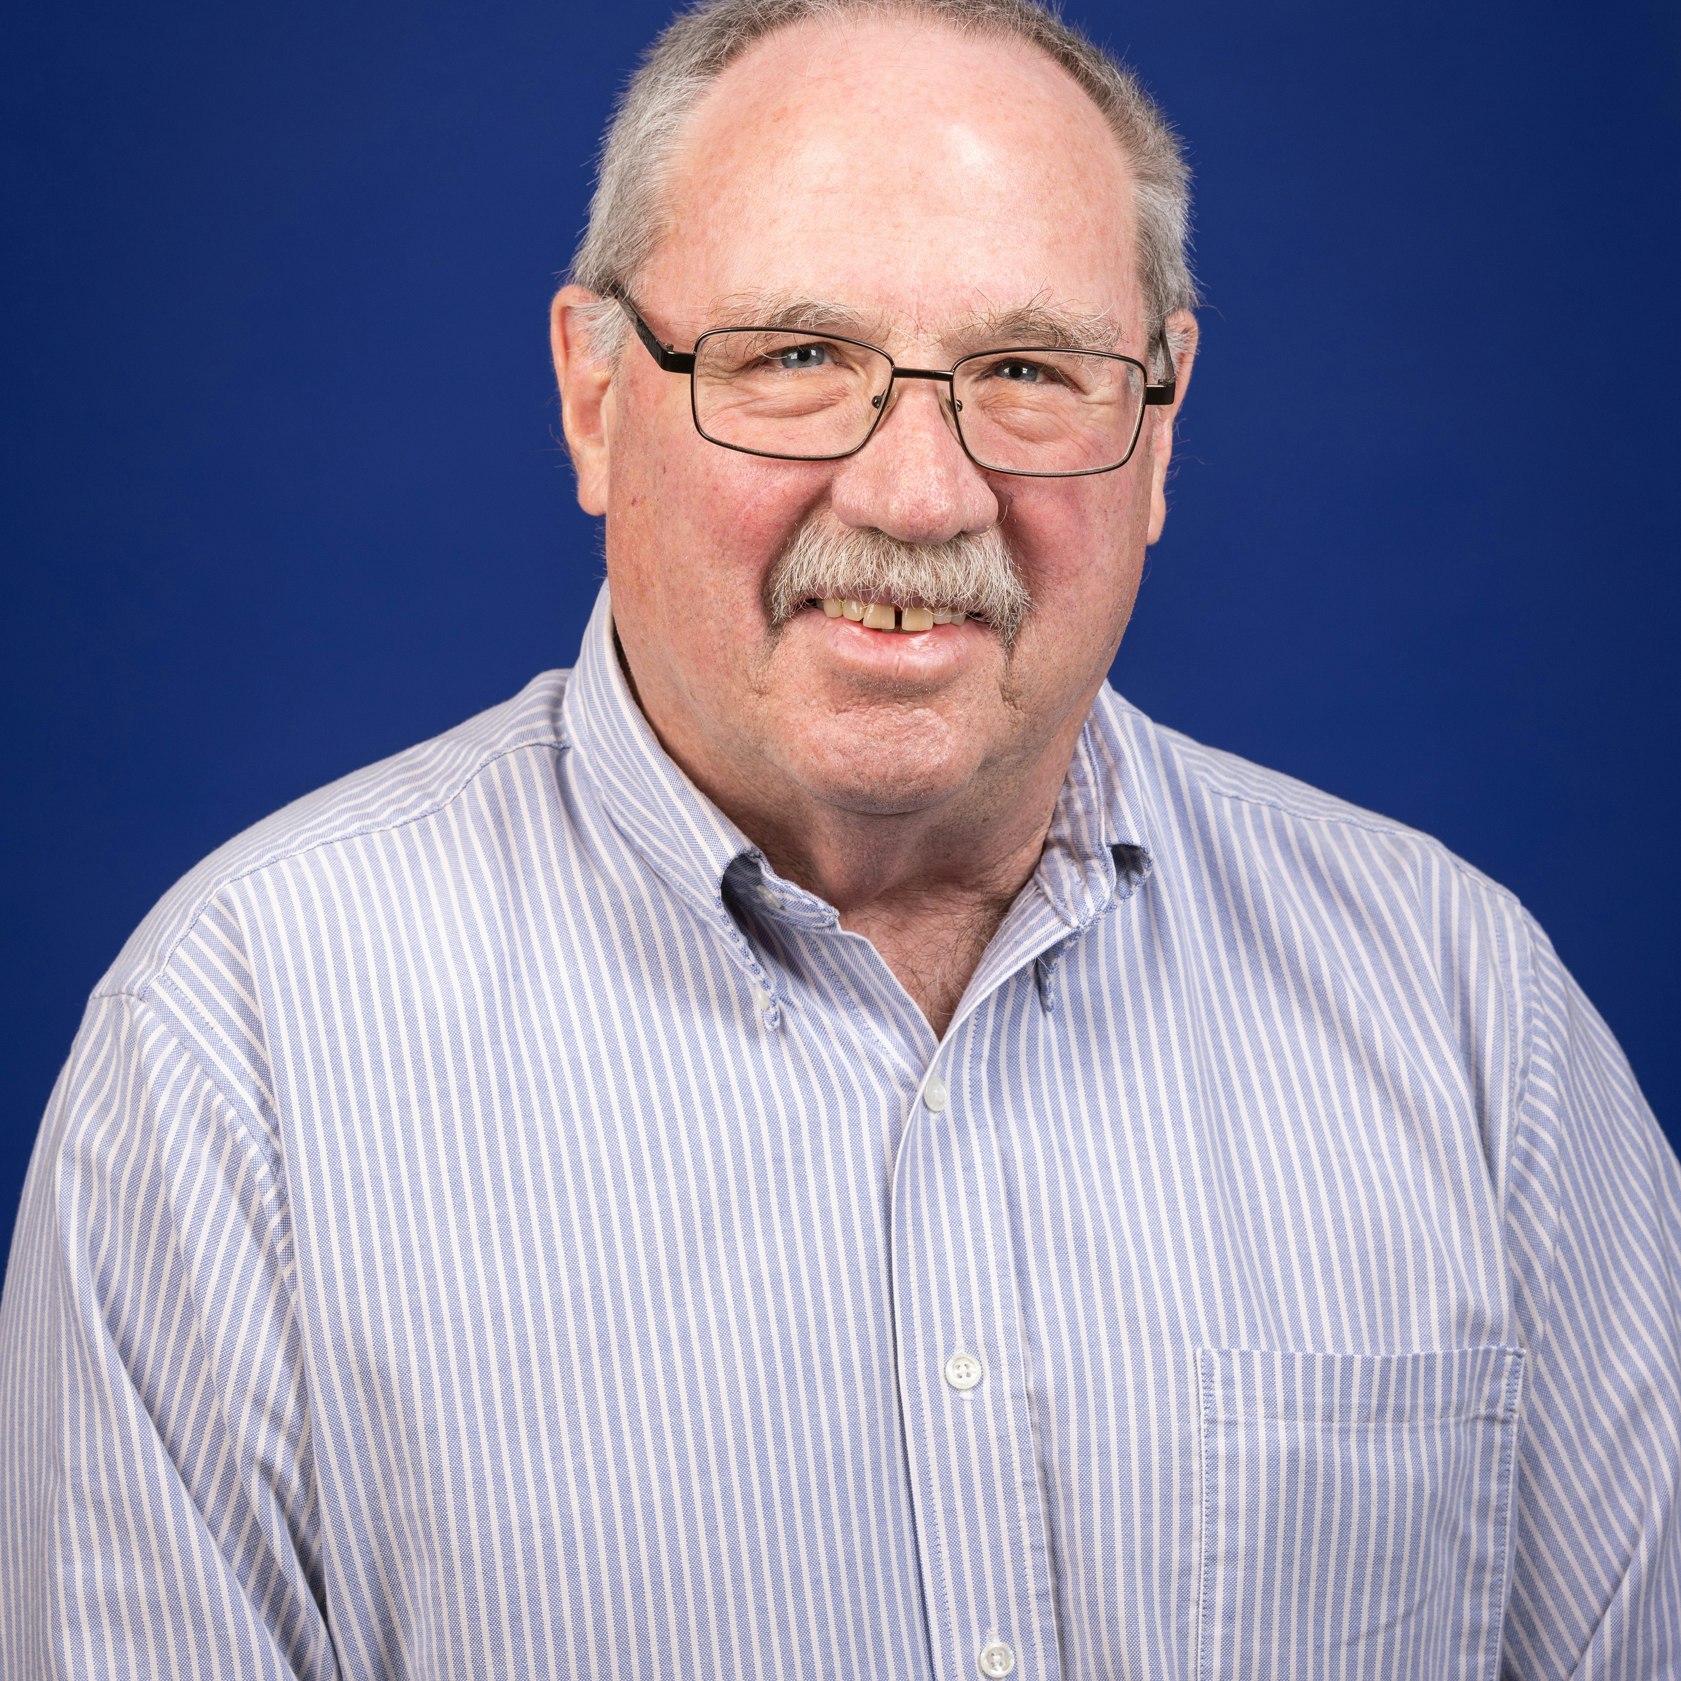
(1018, 371)
(1041, 373)
(795, 357)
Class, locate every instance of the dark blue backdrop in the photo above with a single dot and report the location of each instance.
(284, 496)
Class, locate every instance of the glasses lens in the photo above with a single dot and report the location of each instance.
(787, 393)
(1049, 411)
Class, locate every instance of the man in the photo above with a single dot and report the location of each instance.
(822, 1142)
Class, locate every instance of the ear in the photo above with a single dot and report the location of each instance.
(1181, 328)
(586, 395)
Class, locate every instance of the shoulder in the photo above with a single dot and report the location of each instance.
(1304, 885)
(1367, 919)
(384, 798)
(1226, 810)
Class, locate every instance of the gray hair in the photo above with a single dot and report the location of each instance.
(973, 572)
(629, 213)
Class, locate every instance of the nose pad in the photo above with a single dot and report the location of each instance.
(888, 400)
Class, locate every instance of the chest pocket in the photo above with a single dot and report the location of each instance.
(1356, 1513)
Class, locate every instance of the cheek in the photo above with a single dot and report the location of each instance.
(1080, 543)
(695, 517)
(692, 532)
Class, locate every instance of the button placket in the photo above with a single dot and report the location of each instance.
(968, 1423)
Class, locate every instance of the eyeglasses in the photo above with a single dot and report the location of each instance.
(1030, 409)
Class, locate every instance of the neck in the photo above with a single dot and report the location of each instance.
(927, 886)
(928, 889)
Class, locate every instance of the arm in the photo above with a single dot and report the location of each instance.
(1593, 1227)
(157, 1513)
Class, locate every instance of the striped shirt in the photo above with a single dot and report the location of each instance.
(492, 1225)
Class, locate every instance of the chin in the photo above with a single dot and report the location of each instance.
(883, 774)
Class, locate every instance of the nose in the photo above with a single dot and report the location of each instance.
(912, 479)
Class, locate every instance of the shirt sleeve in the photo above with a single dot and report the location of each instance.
(157, 1515)
(1593, 1224)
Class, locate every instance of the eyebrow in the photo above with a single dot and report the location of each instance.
(1038, 324)
(998, 329)
(798, 315)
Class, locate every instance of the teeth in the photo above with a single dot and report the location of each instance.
(883, 615)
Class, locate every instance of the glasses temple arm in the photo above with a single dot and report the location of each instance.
(672, 361)
(1161, 394)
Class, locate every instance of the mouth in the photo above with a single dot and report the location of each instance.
(896, 617)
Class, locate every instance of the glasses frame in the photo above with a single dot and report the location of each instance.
(1157, 394)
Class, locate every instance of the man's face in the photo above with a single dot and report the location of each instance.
(932, 187)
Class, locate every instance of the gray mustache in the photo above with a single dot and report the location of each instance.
(974, 573)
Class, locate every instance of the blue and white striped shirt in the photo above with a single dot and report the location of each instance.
(490, 1225)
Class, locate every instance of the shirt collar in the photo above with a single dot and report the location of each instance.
(1095, 854)
(676, 828)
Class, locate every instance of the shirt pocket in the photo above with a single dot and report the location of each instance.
(1356, 1513)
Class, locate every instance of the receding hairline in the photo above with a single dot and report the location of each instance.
(883, 13)
(633, 209)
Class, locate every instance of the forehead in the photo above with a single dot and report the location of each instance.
(903, 169)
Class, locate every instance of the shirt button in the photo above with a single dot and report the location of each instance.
(997, 1658)
(963, 1371)
(934, 1093)
(761, 997)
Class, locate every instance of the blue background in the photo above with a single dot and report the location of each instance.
(284, 494)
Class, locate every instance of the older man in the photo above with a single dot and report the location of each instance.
(822, 1142)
